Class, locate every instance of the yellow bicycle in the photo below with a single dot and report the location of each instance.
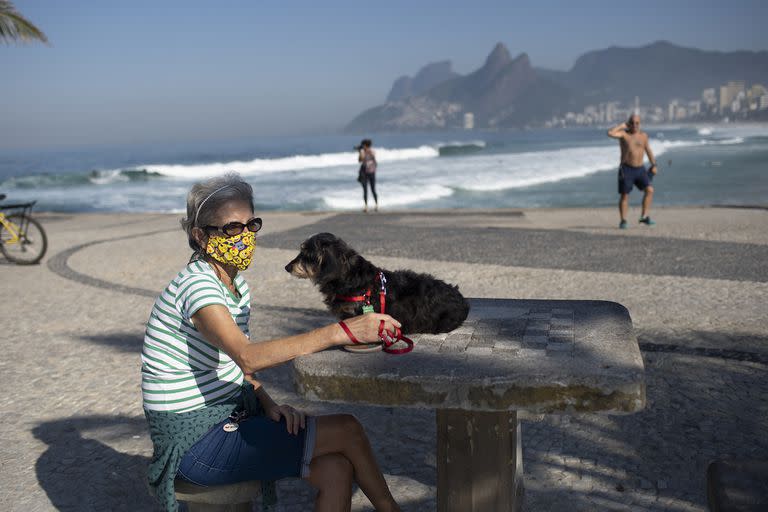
(22, 238)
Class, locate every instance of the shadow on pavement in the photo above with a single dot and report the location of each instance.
(81, 471)
(698, 409)
(122, 341)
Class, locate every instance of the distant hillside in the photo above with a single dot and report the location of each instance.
(503, 92)
(659, 72)
(507, 92)
(427, 77)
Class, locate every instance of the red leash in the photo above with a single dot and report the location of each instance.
(387, 337)
(349, 333)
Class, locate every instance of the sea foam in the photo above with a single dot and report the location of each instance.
(259, 166)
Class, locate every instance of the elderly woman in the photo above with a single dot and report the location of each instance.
(211, 423)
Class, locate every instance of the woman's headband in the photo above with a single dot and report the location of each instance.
(207, 198)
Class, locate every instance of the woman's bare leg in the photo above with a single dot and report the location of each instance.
(332, 475)
(343, 434)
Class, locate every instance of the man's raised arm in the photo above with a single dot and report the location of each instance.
(618, 131)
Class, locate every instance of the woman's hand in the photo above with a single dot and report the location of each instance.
(294, 419)
(365, 328)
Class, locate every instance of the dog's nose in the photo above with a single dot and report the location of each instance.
(288, 268)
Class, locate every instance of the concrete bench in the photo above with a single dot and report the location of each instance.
(221, 498)
(538, 356)
(737, 485)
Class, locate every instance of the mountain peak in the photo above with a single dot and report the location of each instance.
(427, 77)
(662, 43)
(499, 57)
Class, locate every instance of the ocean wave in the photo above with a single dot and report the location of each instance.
(518, 170)
(259, 166)
(460, 148)
(95, 177)
(413, 183)
(748, 130)
(418, 176)
(490, 173)
(701, 142)
(705, 131)
(734, 140)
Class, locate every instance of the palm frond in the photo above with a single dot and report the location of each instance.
(14, 27)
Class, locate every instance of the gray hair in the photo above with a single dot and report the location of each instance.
(205, 199)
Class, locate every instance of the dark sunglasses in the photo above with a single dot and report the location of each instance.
(235, 228)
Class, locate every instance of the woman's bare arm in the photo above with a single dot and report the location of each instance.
(215, 323)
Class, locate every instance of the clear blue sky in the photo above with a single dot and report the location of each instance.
(150, 71)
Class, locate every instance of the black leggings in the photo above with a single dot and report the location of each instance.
(369, 178)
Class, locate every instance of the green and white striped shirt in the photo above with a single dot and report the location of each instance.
(180, 371)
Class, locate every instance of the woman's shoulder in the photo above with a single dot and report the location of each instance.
(195, 272)
(196, 268)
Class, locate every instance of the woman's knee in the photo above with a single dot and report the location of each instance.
(331, 469)
(339, 431)
(351, 427)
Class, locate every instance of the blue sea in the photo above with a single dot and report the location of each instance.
(699, 165)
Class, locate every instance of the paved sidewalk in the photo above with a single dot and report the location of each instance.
(73, 436)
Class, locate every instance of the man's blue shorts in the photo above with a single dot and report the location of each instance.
(633, 176)
(260, 449)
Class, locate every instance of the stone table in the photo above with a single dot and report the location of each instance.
(538, 356)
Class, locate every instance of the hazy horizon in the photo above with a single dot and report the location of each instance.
(186, 71)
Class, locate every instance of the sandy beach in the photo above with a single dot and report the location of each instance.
(696, 286)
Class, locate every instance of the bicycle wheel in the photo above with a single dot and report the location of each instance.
(31, 245)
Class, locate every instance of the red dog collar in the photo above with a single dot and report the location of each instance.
(365, 298)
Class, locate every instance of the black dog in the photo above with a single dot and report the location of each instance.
(348, 282)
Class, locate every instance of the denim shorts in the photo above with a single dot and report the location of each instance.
(260, 449)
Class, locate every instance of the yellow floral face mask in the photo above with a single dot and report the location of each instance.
(234, 250)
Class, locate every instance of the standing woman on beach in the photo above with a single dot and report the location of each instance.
(367, 173)
(210, 421)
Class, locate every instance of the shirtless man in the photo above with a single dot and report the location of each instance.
(632, 172)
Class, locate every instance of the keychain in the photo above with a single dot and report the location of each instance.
(234, 420)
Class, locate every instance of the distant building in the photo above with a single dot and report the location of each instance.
(754, 94)
(672, 110)
(655, 114)
(728, 94)
(739, 102)
(709, 97)
(469, 121)
(756, 91)
(677, 110)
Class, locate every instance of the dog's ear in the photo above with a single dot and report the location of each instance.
(349, 259)
(330, 264)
